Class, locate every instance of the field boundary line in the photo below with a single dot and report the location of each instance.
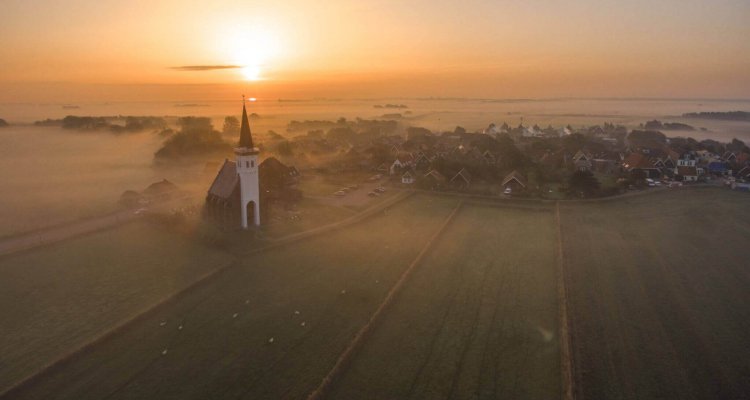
(204, 279)
(566, 364)
(348, 354)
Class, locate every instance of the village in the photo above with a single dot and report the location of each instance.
(522, 161)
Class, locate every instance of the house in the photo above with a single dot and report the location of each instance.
(399, 164)
(434, 179)
(462, 179)
(688, 173)
(744, 173)
(729, 156)
(408, 177)
(641, 163)
(160, 190)
(515, 181)
(422, 162)
(582, 161)
(488, 158)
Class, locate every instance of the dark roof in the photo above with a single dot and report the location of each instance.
(226, 180)
(464, 174)
(515, 175)
(246, 138)
(436, 175)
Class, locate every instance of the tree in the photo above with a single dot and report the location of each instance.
(284, 148)
(583, 183)
(231, 126)
(460, 130)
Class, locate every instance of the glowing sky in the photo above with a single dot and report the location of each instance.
(474, 48)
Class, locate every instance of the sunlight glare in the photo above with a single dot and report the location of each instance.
(251, 48)
(251, 72)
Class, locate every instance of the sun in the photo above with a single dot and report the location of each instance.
(251, 72)
(252, 48)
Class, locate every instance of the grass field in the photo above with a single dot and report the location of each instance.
(59, 297)
(657, 301)
(659, 290)
(219, 355)
(478, 320)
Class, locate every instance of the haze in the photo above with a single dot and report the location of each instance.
(106, 50)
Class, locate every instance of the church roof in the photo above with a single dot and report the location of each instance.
(246, 138)
(226, 180)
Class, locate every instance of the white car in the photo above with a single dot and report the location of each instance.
(340, 193)
(508, 191)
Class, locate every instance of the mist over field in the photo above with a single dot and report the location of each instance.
(67, 174)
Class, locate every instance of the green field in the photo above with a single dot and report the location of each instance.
(335, 281)
(478, 319)
(659, 291)
(657, 301)
(60, 297)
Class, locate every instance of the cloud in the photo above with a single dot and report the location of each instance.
(204, 67)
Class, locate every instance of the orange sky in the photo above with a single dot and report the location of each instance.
(88, 50)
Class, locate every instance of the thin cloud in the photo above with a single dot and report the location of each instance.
(204, 67)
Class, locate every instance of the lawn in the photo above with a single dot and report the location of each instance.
(659, 290)
(58, 298)
(478, 319)
(331, 283)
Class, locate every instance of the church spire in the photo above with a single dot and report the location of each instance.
(246, 139)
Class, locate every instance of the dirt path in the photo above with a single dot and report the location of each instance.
(566, 364)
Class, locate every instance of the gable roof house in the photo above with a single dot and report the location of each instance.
(582, 161)
(515, 181)
(688, 173)
(462, 179)
(408, 177)
(636, 162)
(489, 158)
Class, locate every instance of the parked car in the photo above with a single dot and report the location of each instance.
(507, 191)
(373, 194)
(380, 189)
(340, 193)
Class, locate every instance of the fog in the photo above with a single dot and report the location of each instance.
(51, 175)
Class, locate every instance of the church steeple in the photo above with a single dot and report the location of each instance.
(246, 138)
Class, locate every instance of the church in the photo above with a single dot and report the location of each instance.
(241, 186)
(233, 199)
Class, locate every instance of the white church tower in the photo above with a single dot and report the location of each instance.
(247, 169)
